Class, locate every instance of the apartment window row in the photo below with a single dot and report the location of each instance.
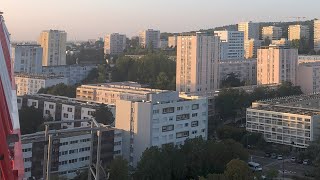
(117, 143)
(27, 159)
(85, 140)
(27, 169)
(84, 158)
(84, 149)
(117, 152)
(26, 149)
(73, 151)
(74, 142)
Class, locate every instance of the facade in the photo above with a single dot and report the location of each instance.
(61, 108)
(71, 152)
(308, 77)
(296, 32)
(115, 43)
(53, 43)
(27, 58)
(308, 58)
(32, 83)
(271, 32)
(292, 120)
(11, 161)
(232, 44)
(197, 63)
(74, 73)
(149, 38)
(110, 93)
(251, 46)
(164, 118)
(172, 41)
(251, 30)
(276, 64)
(316, 35)
(281, 42)
(245, 69)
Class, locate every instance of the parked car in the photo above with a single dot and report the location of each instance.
(267, 155)
(254, 166)
(279, 157)
(273, 156)
(293, 159)
(306, 162)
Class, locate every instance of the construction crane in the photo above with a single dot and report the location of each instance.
(297, 18)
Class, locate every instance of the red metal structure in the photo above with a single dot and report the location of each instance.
(11, 160)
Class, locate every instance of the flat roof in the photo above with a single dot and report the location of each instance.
(290, 99)
(288, 109)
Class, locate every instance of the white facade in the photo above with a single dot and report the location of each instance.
(74, 73)
(27, 58)
(296, 32)
(292, 121)
(31, 83)
(172, 41)
(308, 77)
(149, 37)
(232, 44)
(251, 30)
(164, 118)
(316, 35)
(271, 32)
(115, 43)
(53, 43)
(245, 69)
(197, 63)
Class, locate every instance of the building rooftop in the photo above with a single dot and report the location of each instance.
(38, 76)
(288, 109)
(291, 99)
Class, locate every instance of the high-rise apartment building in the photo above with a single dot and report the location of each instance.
(164, 118)
(53, 43)
(276, 64)
(271, 32)
(251, 46)
(296, 32)
(316, 35)
(232, 44)
(197, 63)
(308, 77)
(172, 41)
(149, 38)
(115, 43)
(27, 58)
(11, 159)
(250, 29)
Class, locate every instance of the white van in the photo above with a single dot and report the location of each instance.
(254, 166)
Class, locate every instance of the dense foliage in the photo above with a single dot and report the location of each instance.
(232, 80)
(119, 169)
(155, 70)
(31, 119)
(195, 158)
(103, 115)
(59, 90)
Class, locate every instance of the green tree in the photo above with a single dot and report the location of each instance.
(31, 119)
(214, 177)
(92, 77)
(232, 80)
(102, 74)
(162, 81)
(272, 173)
(266, 42)
(103, 115)
(230, 132)
(119, 169)
(238, 170)
(60, 90)
(254, 139)
(83, 175)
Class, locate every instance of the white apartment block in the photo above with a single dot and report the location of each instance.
(316, 35)
(251, 46)
(149, 38)
(308, 77)
(197, 63)
(232, 44)
(276, 64)
(296, 32)
(27, 58)
(32, 83)
(164, 118)
(74, 73)
(251, 30)
(172, 41)
(271, 32)
(115, 43)
(293, 120)
(245, 69)
(53, 43)
(109, 93)
(61, 108)
(71, 152)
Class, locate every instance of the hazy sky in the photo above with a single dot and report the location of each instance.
(89, 19)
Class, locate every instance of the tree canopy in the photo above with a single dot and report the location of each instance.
(238, 170)
(103, 115)
(31, 119)
(119, 169)
(59, 90)
(232, 80)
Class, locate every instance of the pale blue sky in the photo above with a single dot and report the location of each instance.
(84, 19)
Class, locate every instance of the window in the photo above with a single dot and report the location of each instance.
(156, 111)
(73, 151)
(50, 106)
(194, 114)
(195, 106)
(117, 143)
(84, 149)
(69, 109)
(117, 152)
(34, 104)
(194, 123)
(65, 115)
(182, 117)
(194, 132)
(64, 143)
(27, 159)
(73, 161)
(182, 134)
(167, 128)
(26, 150)
(168, 110)
(186, 124)
(47, 112)
(74, 142)
(27, 169)
(180, 108)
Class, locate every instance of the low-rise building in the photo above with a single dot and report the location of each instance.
(163, 118)
(61, 108)
(308, 58)
(293, 121)
(71, 152)
(245, 69)
(32, 83)
(172, 41)
(271, 33)
(74, 73)
(297, 32)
